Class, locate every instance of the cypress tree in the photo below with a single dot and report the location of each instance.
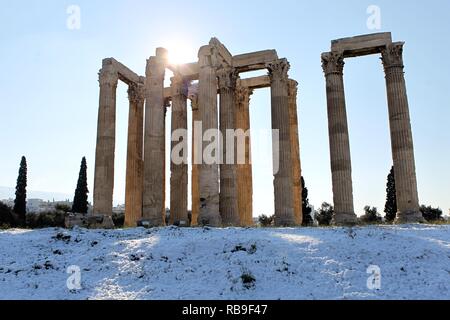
(20, 202)
(391, 198)
(80, 201)
(307, 219)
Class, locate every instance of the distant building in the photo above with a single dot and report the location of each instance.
(36, 205)
(119, 208)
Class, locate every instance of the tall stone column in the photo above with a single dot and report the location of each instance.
(228, 203)
(154, 141)
(283, 186)
(134, 179)
(179, 163)
(401, 136)
(106, 139)
(208, 169)
(244, 170)
(341, 167)
(195, 195)
(295, 148)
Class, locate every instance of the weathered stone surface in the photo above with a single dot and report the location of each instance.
(222, 51)
(106, 139)
(154, 141)
(295, 149)
(135, 162)
(208, 172)
(361, 45)
(401, 136)
(228, 202)
(124, 73)
(341, 168)
(244, 171)
(283, 186)
(256, 82)
(89, 221)
(254, 60)
(179, 171)
(195, 193)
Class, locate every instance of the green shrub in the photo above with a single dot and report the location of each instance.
(248, 280)
(7, 219)
(47, 219)
(324, 215)
(371, 216)
(266, 221)
(431, 214)
(119, 219)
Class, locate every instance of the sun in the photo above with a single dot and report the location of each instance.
(180, 52)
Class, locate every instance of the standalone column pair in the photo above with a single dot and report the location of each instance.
(401, 137)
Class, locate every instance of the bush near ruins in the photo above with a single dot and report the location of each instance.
(431, 214)
(7, 218)
(119, 219)
(324, 215)
(266, 221)
(371, 216)
(46, 219)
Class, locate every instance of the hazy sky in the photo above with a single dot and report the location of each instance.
(49, 87)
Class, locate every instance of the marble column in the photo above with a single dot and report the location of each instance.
(154, 141)
(208, 169)
(295, 148)
(228, 202)
(135, 163)
(341, 167)
(283, 186)
(195, 195)
(106, 140)
(244, 170)
(401, 136)
(179, 163)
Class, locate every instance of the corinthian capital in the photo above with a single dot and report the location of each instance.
(392, 55)
(292, 87)
(333, 62)
(156, 69)
(136, 92)
(278, 70)
(243, 94)
(194, 101)
(108, 76)
(179, 85)
(227, 78)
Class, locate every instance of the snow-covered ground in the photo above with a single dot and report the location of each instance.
(203, 263)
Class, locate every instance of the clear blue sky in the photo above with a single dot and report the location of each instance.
(49, 88)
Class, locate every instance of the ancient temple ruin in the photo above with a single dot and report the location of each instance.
(221, 191)
(399, 120)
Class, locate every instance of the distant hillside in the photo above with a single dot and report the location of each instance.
(7, 192)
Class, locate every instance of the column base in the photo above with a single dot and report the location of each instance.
(407, 217)
(96, 221)
(214, 222)
(284, 222)
(344, 219)
(181, 223)
(149, 223)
